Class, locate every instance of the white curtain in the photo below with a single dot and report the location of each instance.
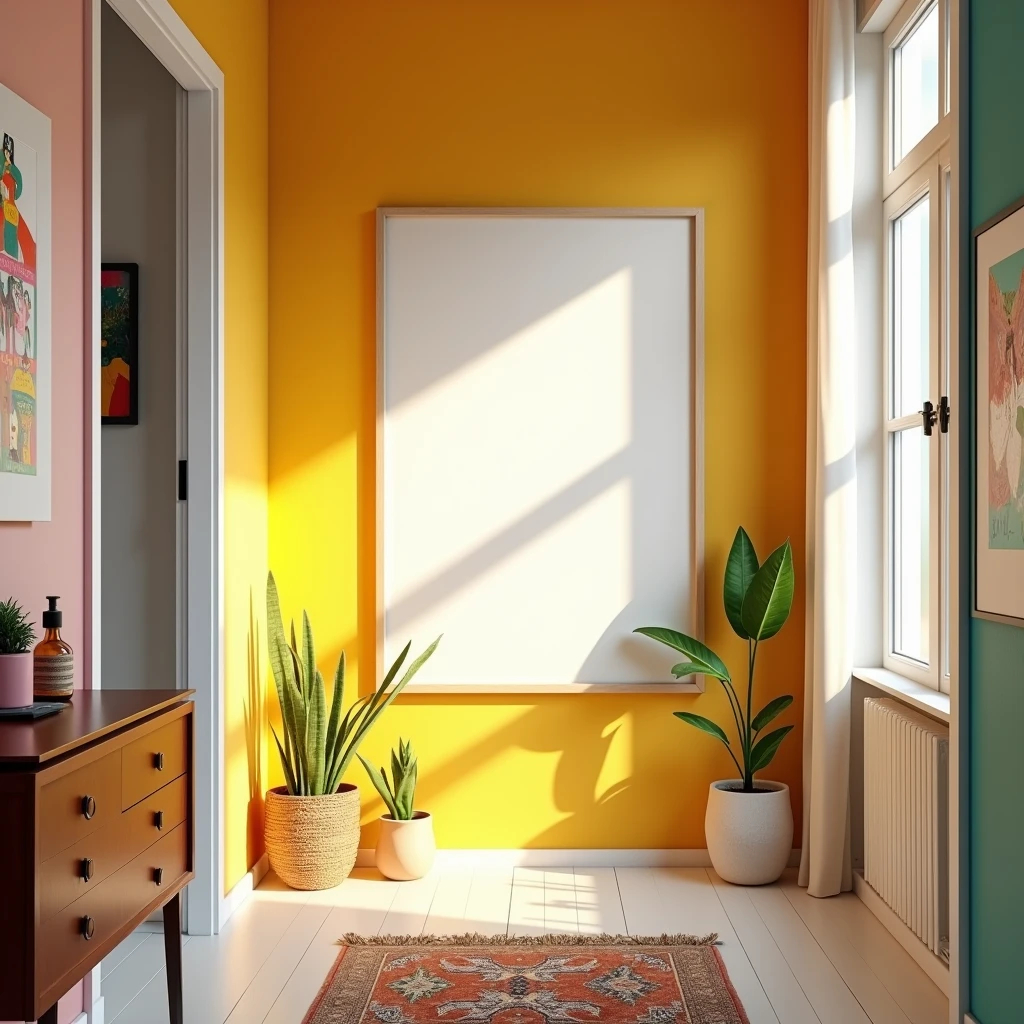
(831, 458)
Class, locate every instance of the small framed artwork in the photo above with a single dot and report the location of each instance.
(999, 337)
(119, 351)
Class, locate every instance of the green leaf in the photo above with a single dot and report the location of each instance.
(316, 731)
(704, 724)
(406, 793)
(704, 660)
(331, 738)
(765, 748)
(771, 710)
(381, 785)
(289, 776)
(308, 654)
(740, 569)
(770, 595)
(686, 668)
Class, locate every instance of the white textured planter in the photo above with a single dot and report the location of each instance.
(749, 835)
(15, 680)
(405, 849)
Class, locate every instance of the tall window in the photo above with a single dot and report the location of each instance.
(916, 188)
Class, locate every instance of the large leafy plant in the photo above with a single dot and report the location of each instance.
(758, 599)
(319, 746)
(16, 632)
(400, 793)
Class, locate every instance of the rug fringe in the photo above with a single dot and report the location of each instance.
(477, 939)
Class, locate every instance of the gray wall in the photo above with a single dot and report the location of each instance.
(139, 223)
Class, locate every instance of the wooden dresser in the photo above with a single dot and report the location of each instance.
(96, 833)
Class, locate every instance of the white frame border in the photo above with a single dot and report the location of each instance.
(696, 214)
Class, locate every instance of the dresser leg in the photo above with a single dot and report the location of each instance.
(50, 1017)
(172, 954)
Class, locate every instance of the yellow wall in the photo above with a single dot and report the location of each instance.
(235, 34)
(537, 102)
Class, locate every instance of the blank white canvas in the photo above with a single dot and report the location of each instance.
(538, 446)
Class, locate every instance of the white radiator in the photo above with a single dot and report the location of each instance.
(906, 817)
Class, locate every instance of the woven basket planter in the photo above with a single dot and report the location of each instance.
(312, 840)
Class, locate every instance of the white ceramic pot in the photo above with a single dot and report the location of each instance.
(405, 849)
(15, 680)
(749, 835)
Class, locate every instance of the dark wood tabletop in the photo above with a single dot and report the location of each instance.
(91, 715)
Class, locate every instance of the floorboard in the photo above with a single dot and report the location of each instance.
(490, 899)
(791, 958)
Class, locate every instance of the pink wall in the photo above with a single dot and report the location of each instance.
(43, 62)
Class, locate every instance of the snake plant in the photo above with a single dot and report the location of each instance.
(318, 747)
(758, 600)
(400, 793)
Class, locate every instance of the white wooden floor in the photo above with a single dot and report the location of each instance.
(792, 959)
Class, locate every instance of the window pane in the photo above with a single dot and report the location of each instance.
(916, 77)
(910, 309)
(910, 527)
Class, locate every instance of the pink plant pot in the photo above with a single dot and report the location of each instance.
(15, 680)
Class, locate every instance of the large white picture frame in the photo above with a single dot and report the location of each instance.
(26, 352)
(539, 444)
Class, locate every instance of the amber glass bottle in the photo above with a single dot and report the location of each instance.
(53, 661)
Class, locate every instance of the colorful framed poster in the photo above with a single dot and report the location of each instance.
(26, 354)
(119, 351)
(999, 455)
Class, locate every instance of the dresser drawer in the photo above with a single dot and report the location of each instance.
(80, 868)
(155, 816)
(147, 877)
(107, 908)
(149, 763)
(78, 804)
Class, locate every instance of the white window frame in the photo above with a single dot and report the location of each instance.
(921, 172)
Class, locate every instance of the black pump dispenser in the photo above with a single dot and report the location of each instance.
(53, 618)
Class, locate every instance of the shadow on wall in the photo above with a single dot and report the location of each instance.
(255, 711)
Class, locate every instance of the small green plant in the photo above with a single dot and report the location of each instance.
(758, 600)
(400, 793)
(317, 747)
(16, 633)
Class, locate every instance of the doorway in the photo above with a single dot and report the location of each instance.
(188, 627)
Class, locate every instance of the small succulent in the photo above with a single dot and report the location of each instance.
(16, 632)
(400, 793)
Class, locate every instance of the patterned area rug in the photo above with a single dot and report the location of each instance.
(550, 979)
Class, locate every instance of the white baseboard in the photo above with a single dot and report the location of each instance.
(366, 858)
(92, 998)
(935, 968)
(243, 890)
(971, 1019)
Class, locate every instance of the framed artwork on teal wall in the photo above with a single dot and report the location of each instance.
(999, 334)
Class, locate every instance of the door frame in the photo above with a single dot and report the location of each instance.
(168, 38)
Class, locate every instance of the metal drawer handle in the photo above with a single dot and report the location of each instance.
(87, 926)
(158, 820)
(158, 761)
(87, 868)
(88, 807)
(158, 876)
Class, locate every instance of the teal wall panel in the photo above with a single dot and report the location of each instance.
(996, 685)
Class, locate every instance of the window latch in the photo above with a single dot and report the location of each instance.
(928, 418)
(944, 414)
